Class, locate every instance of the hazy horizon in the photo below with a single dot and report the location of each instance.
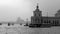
(10, 10)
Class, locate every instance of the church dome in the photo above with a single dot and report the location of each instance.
(37, 8)
(58, 10)
(58, 13)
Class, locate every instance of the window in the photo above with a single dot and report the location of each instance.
(49, 21)
(53, 22)
(45, 21)
(37, 20)
(35, 15)
(39, 14)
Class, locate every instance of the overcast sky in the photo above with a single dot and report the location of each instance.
(11, 9)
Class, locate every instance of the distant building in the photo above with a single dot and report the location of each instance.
(38, 19)
(57, 14)
(20, 21)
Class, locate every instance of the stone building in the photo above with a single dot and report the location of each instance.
(38, 19)
(57, 14)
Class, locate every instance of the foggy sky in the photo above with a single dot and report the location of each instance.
(11, 9)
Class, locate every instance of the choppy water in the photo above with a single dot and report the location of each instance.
(17, 29)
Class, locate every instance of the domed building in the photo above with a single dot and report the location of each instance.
(37, 20)
(57, 14)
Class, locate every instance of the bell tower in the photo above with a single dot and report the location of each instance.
(37, 12)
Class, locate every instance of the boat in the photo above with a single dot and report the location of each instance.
(40, 25)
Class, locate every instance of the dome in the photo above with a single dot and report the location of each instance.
(58, 10)
(58, 13)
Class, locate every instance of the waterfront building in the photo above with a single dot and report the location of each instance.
(38, 19)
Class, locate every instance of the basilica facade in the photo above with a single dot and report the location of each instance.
(38, 19)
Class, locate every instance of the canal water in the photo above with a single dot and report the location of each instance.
(17, 29)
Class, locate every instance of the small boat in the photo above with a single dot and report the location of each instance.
(40, 25)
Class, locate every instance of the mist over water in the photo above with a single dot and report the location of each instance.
(20, 29)
(11, 9)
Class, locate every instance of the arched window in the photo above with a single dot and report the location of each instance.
(41, 20)
(53, 22)
(37, 19)
(45, 21)
(39, 14)
(49, 21)
(56, 22)
(35, 14)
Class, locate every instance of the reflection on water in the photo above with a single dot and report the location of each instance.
(52, 30)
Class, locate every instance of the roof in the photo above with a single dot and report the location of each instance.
(47, 17)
